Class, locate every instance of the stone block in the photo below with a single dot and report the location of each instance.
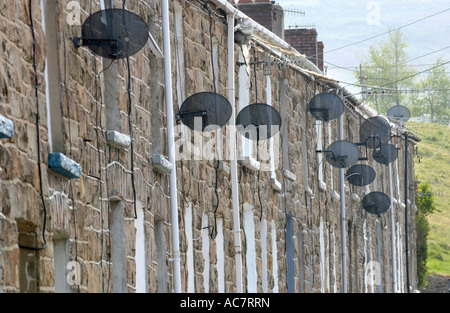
(63, 165)
(117, 139)
(161, 164)
(6, 127)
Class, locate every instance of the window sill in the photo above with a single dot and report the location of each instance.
(6, 127)
(336, 196)
(117, 139)
(63, 165)
(224, 168)
(289, 175)
(276, 185)
(161, 164)
(322, 185)
(251, 164)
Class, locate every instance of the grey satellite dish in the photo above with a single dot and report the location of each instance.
(376, 203)
(258, 121)
(399, 114)
(205, 111)
(326, 106)
(386, 154)
(374, 132)
(341, 154)
(113, 33)
(360, 175)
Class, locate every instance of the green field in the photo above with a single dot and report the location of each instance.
(434, 168)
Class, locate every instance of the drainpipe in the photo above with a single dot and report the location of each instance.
(406, 212)
(394, 266)
(342, 191)
(233, 157)
(171, 146)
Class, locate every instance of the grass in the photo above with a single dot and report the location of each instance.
(434, 167)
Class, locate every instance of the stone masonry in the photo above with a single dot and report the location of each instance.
(96, 243)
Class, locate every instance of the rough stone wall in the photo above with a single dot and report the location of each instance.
(80, 211)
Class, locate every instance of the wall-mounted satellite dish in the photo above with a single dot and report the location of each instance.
(376, 203)
(258, 121)
(342, 154)
(212, 109)
(113, 33)
(399, 114)
(386, 154)
(374, 132)
(360, 175)
(326, 106)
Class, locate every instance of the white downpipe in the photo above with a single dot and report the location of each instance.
(171, 146)
(233, 156)
(342, 195)
(394, 266)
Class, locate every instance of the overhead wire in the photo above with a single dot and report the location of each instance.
(387, 32)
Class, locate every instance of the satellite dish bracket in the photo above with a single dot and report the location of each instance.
(195, 113)
(324, 111)
(78, 42)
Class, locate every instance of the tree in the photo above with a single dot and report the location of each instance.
(433, 105)
(386, 67)
(425, 207)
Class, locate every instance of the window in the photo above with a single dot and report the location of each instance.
(27, 260)
(273, 233)
(249, 229)
(264, 254)
(52, 78)
(220, 257)
(290, 252)
(205, 251)
(190, 249)
(160, 239)
(320, 159)
(245, 145)
(118, 247)
(60, 261)
(274, 142)
(141, 267)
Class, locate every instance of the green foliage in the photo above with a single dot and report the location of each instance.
(433, 105)
(425, 207)
(386, 66)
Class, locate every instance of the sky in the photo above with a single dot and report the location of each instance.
(342, 23)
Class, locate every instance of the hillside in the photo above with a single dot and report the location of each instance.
(434, 168)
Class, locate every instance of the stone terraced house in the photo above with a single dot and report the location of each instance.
(104, 189)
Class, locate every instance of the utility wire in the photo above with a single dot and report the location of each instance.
(387, 32)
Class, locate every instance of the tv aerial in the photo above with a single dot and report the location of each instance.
(360, 175)
(214, 110)
(341, 154)
(326, 106)
(376, 203)
(113, 33)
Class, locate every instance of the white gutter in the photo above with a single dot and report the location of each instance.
(233, 156)
(171, 146)
(342, 195)
(269, 38)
